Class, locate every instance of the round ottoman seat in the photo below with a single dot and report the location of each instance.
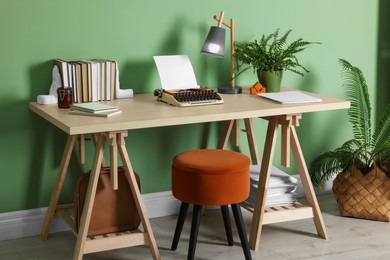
(210, 177)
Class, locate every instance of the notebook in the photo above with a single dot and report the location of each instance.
(290, 97)
(94, 107)
(100, 114)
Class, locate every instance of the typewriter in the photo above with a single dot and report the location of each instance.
(188, 97)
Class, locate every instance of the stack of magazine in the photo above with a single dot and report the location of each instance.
(94, 109)
(281, 187)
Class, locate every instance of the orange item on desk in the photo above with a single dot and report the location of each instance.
(257, 88)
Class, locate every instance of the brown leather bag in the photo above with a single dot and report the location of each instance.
(113, 210)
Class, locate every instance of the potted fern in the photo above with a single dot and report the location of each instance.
(362, 164)
(269, 57)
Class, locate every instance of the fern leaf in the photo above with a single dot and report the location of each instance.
(269, 53)
(356, 91)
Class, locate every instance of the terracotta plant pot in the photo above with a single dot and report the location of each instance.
(271, 80)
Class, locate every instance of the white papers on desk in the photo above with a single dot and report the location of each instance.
(175, 72)
(281, 187)
(290, 97)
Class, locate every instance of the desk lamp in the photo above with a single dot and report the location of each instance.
(214, 46)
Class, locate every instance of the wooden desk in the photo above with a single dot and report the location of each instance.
(143, 111)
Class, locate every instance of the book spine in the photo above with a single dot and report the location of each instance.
(90, 80)
(63, 68)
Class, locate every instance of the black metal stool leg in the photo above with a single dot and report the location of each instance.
(194, 231)
(241, 231)
(179, 225)
(226, 221)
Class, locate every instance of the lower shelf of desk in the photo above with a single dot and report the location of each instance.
(104, 242)
(278, 214)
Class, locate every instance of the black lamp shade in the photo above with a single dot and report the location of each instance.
(214, 45)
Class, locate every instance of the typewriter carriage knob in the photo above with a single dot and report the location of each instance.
(158, 92)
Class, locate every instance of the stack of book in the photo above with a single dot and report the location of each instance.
(281, 187)
(94, 109)
(90, 80)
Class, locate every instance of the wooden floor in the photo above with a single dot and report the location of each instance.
(348, 239)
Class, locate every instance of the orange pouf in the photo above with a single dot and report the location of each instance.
(211, 177)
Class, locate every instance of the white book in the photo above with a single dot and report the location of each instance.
(73, 66)
(108, 80)
(103, 82)
(99, 88)
(290, 97)
(70, 75)
(95, 80)
(63, 68)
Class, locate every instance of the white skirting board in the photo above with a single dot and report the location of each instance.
(27, 223)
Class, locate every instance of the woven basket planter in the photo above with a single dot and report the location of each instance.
(363, 196)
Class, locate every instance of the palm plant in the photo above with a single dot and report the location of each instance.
(270, 53)
(365, 150)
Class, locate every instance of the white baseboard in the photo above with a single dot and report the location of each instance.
(27, 223)
(326, 190)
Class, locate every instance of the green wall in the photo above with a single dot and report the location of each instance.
(132, 31)
(383, 76)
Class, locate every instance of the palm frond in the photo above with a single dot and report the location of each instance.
(351, 145)
(356, 91)
(382, 157)
(381, 136)
(328, 164)
(364, 151)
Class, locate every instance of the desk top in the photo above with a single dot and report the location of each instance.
(144, 111)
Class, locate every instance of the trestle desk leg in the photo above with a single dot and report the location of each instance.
(129, 172)
(226, 134)
(94, 138)
(89, 198)
(251, 137)
(307, 185)
(266, 165)
(249, 130)
(82, 148)
(58, 186)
